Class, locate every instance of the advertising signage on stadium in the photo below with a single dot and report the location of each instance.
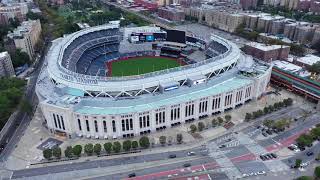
(147, 36)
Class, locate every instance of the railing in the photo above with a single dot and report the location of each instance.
(151, 74)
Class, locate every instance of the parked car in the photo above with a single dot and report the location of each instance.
(269, 132)
(187, 165)
(264, 134)
(304, 164)
(131, 175)
(309, 153)
(273, 155)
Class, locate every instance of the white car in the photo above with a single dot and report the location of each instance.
(304, 164)
(261, 172)
(191, 153)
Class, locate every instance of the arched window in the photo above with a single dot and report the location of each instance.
(96, 126)
(105, 126)
(114, 126)
(87, 123)
(79, 124)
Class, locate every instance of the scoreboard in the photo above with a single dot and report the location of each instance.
(147, 37)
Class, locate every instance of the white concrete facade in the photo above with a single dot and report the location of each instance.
(74, 124)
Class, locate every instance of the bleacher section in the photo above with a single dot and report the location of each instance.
(215, 48)
(78, 46)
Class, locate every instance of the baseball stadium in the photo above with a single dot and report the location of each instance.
(109, 82)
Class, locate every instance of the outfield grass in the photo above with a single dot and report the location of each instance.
(142, 65)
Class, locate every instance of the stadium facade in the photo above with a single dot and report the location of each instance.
(78, 99)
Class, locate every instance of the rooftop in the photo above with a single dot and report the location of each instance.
(287, 66)
(309, 59)
(265, 47)
(4, 54)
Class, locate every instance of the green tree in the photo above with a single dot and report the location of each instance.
(162, 140)
(56, 152)
(144, 142)
(315, 68)
(200, 126)
(47, 153)
(126, 145)
(214, 122)
(317, 172)
(220, 120)
(179, 138)
(315, 132)
(228, 117)
(20, 58)
(116, 147)
(77, 150)
(271, 108)
(265, 110)
(88, 149)
(108, 147)
(304, 140)
(97, 149)
(298, 163)
(287, 102)
(68, 152)
(269, 123)
(134, 144)
(304, 178)
(193, 128)
(248, 117)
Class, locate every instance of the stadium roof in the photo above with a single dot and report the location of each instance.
(125, 107)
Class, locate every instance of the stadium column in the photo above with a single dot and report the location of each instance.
(182, 112)
(223, 98)
(152, 121)
(233, 101)
(136, 125)
(210, 110)
(196, 109)
(243, 90)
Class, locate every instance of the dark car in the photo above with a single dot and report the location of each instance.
(269, 156)
(131, 175)
(264, 134)
(187, 165)
(262, 158)
(310, 153)
(291, 148)
(302, 148)
(274, 155)
(222, 146)
(172, 156)
(266, 157)
(269, 132)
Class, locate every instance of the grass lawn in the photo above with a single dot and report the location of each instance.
(142, 65)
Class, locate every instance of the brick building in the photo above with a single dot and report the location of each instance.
(267, 53)
(171, 14)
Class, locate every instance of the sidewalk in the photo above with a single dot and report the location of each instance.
(26, 151)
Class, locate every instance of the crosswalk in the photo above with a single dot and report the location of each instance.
(223, 138)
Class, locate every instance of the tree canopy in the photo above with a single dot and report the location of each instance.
(11, 92)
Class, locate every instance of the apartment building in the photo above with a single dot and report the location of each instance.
(6, 67)
(26, 36)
